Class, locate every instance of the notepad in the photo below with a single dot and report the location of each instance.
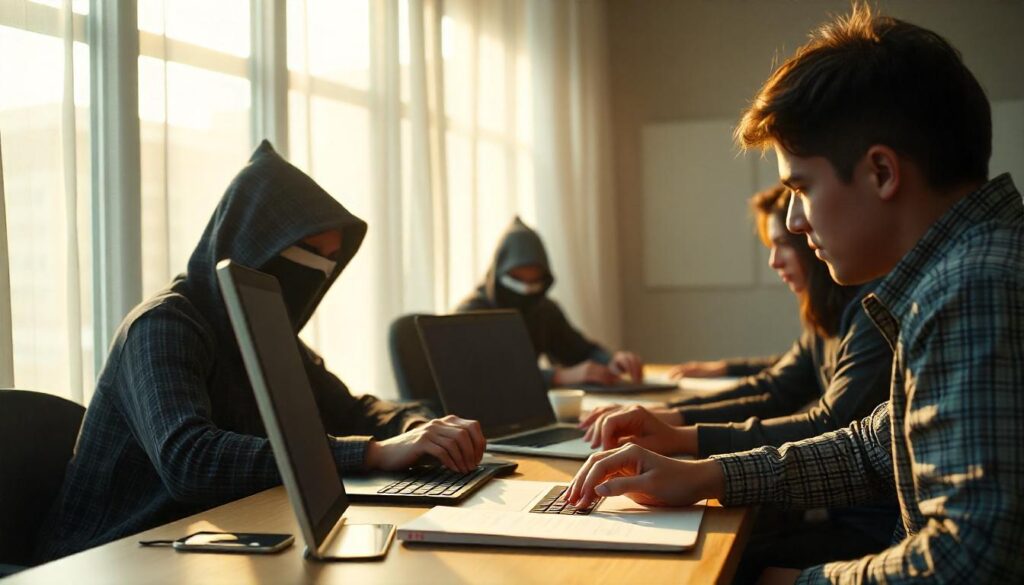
(620, 524)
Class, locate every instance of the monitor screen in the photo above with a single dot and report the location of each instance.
(287, 405)
(485, 369)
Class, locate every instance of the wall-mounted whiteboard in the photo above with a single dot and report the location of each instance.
(1008, 140)
(697, 227)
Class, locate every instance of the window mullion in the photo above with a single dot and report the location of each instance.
(268, 63)
(116, 174)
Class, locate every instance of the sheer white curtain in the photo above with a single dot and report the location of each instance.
(437, 126)
(44, 105)
(6, 339)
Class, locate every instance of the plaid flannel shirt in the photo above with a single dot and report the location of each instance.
(950, 441)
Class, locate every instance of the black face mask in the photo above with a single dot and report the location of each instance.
(513, 300)
(299, 286)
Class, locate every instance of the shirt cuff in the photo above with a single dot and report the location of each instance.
(350, 452)
(749, 477)
(712, 439)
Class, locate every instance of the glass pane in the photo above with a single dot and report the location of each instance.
(221, 25)
(49, 236)
(330, 40)
(195, 137)
(334, 149)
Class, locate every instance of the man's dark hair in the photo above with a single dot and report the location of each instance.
(822, 301)
(864, 79)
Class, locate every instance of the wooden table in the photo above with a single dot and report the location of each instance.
(722, 536)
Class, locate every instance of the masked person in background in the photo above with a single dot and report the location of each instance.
(173, 427)
(519, 278)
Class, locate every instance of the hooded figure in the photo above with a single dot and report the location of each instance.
(550, 331)
(173, 427)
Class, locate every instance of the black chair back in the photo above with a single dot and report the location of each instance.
(409, 363)
(37, 437)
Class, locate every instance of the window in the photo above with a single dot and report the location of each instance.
(194, 112)
(44, 128)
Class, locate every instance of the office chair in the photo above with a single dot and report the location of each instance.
(37, 437)
(409, 363)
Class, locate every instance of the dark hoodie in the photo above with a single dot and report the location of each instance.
(550, 331)
(173, 427)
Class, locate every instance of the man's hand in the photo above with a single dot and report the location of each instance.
(627, 362)
(456, 442)
(636, 424)
(662, 411)
(646, 478)
(698, 370)
(586, 372)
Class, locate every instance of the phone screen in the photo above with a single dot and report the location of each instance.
(237, 542)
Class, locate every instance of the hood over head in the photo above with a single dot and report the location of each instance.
(269, 206)
(520, 246)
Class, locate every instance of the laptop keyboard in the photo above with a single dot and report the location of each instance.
(543, 438)
(554, 503)
(431, 481)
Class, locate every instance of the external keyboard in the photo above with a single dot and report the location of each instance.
(554, 503)
(431, 481)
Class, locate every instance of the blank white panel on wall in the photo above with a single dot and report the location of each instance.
(766, 170)
(1008, 140)
(696, 230)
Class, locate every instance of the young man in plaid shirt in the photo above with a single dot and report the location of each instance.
(884, 137)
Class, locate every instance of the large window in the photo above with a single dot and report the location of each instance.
(415, 115)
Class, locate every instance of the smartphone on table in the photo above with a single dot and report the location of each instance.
(233, 542)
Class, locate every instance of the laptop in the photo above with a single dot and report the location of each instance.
(534, 514)
(290, 415)
(628, 386)
(484, 368)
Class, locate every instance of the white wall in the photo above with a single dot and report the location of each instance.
(700, 60)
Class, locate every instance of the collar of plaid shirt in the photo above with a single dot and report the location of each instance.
(996, 200)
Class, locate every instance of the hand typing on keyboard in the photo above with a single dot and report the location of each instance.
(457, 443)
(554, 503)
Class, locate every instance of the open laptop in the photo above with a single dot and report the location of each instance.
(484, 368)
(290, 415)
(628, 386)
(534, 514)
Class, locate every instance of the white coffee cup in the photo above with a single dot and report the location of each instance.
(567, 403)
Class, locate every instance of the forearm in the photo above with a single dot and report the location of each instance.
(741, 389)
(748, 366)
(733, 410)
(754, 433)
(841, 468)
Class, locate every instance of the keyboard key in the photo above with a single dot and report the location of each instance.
(552, 503)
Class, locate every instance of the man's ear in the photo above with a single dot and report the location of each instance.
(883, 168)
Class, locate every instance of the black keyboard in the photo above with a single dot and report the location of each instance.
(543, 438)
(431, 481)
(554, 503)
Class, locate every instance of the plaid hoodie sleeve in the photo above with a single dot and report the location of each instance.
(164, 366)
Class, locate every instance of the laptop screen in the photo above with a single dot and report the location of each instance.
(485, 369)
(286, 402)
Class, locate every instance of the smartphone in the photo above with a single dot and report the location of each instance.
(233, 542)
